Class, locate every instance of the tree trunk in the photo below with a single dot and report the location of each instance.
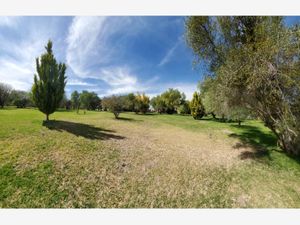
(47, 117)
(116, 115)
(286, 140)
(289, 143)
(239, 122)
(223, 118)
(214, 115)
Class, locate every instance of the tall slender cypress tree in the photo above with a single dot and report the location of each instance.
(49, 83)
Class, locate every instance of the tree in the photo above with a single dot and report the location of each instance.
(258, 58)
(89, 100)
(49, 83)
(68, 104)
(172, 98)
(5, 91)
(63, 102)
(114, 104)
(75, 99)
(21, 99)
(158, 104)
(184, 108)
(142, 103)
(94, 101)
(197, 108)
(129, 102)
(218, 100)
(212, 100)
(168, 102)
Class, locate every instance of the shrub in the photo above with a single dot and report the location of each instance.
(142, 103)
(113, 104)
(197, 108)
(184, 108)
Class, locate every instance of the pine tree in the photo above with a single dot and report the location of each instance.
(49, 83)
(197, 108)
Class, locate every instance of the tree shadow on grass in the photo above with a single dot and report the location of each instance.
(261, 142)
(129, 119)
(80, 129)
(148, 114)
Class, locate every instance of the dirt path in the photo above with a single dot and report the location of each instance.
(172, 142)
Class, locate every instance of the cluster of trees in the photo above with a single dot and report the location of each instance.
(85, 100)
(11, 97)
(171, 101)
(138, 103)
(253, 66)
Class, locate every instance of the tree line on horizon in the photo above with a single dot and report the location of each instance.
(170, 102)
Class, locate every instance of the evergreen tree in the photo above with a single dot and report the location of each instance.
(197, 108)
(49, 83)
(142, 103)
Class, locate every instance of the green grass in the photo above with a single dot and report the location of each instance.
(93, 160)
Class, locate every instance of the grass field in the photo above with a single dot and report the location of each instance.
(94, 160)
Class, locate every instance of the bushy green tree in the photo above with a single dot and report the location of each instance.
(49, 82)
(158, 104)
(142, 103)
(168, 102)
(196, 106)
(129, 102)
(218, 100)
(89, 100)
(114, 104)
(21, 99)
(5, 91)
(172, 98)
(184, 108)
(256, 62)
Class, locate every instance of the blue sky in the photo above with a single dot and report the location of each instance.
(108, 55)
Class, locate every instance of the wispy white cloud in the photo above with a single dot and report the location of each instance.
(168, 56)
(90, 45)
(118, 76)
(77, 82)
(82, 41)
(122, 81)
(91, 53)
(18, 69)
(17, 54)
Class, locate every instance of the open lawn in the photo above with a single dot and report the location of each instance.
(94, 160)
